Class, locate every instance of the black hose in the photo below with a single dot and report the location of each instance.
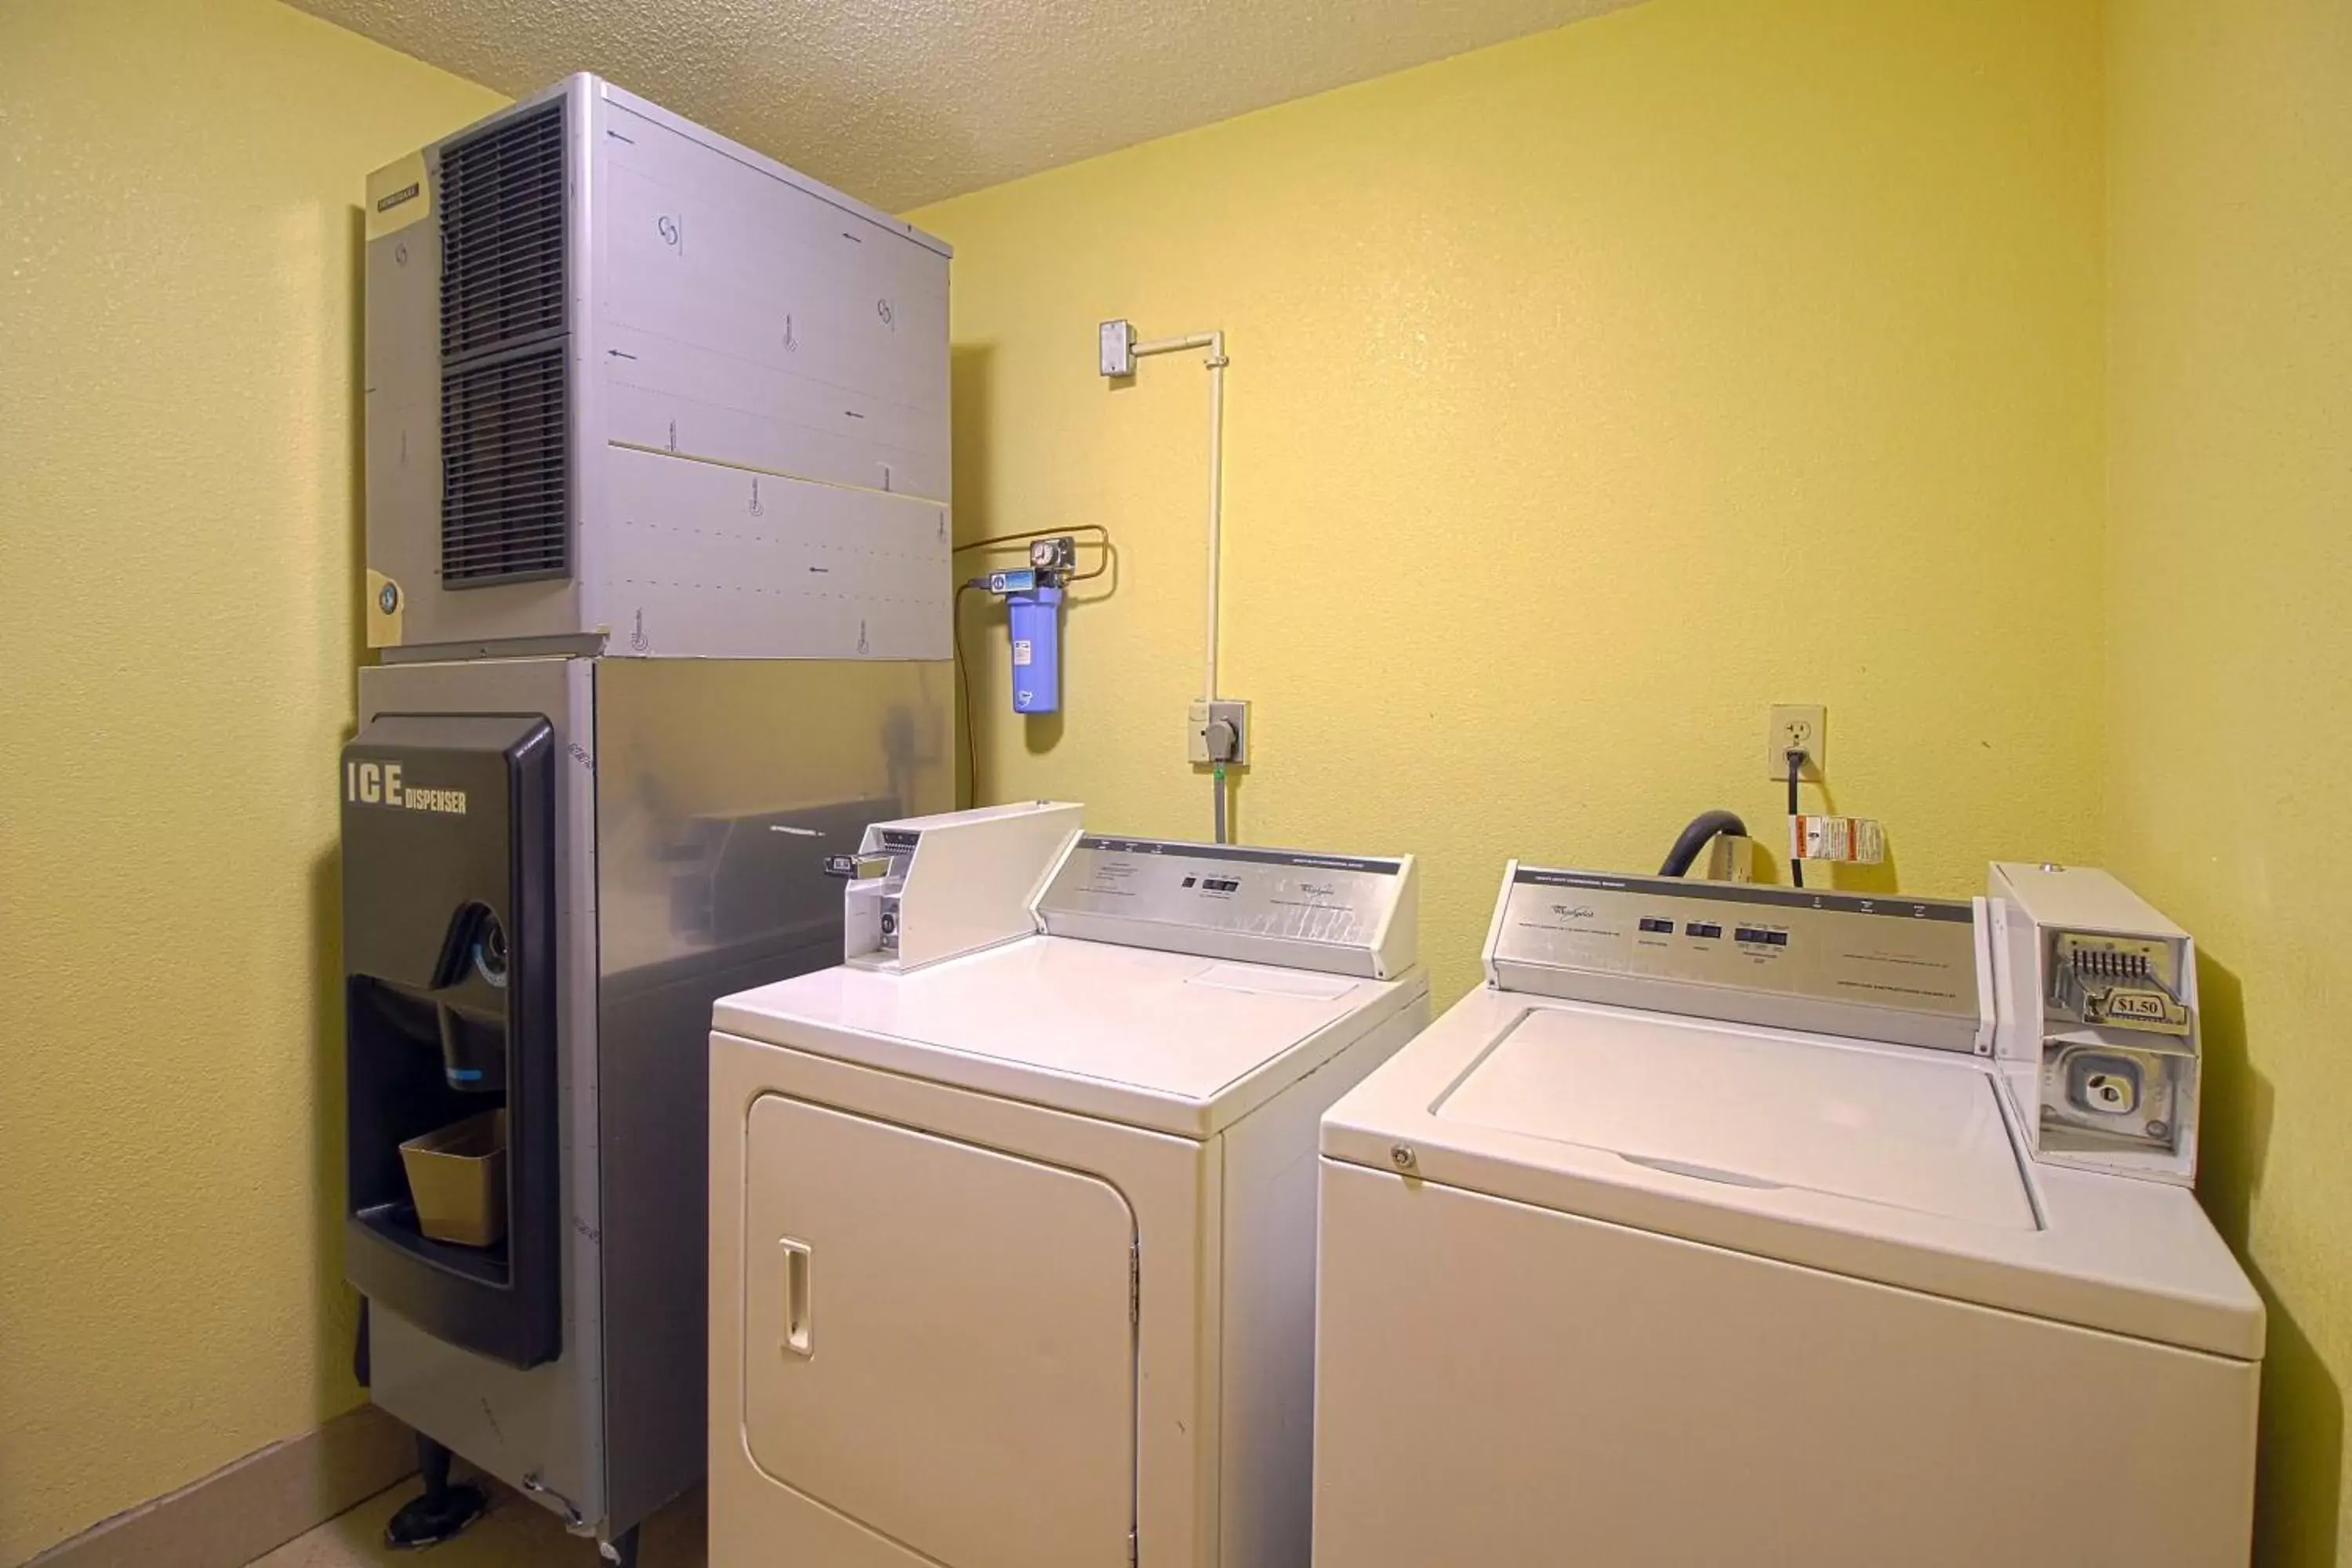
(1796, 861)
(1703, 827)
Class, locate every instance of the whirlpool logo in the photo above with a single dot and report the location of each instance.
(380, 783)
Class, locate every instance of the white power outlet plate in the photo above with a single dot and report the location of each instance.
(1797, 725)
(1197, 718)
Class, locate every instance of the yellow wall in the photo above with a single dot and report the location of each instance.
(2229, 550)
(1589, 394)
(178, 510)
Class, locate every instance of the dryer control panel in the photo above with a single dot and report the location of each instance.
(1345, 914)
(1908, 970)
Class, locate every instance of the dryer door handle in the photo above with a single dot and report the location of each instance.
(796, 1338)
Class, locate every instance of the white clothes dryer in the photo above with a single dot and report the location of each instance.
(1013, 1255)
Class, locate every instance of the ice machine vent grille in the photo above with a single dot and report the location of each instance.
(505, 355)
(502, 234)
(503, 471)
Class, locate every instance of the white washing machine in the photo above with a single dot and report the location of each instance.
(1713, 1231)
(1013, 1255)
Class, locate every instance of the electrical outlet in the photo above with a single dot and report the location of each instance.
(1801, 725)
(1197, 720)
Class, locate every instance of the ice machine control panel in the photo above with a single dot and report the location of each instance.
(1904, 969)
(1346, 914)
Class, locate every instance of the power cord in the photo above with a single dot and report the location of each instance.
(1694, 837)
(1221, 738)
(963, 698)
(1796, 860)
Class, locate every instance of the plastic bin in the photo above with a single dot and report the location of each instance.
(458, 1178)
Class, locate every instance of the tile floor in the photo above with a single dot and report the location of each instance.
(515, 1533)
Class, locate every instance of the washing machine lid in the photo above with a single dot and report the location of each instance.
(1875, 1161)
(1170, 1041)
(1918, 1131)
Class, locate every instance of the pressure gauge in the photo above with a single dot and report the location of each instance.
(1058, 554)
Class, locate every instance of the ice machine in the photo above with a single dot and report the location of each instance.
(657, 545)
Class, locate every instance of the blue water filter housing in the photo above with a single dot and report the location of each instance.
(1036, 649)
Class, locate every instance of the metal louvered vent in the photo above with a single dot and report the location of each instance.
(502, 234)
(504, 478)
(505, 452)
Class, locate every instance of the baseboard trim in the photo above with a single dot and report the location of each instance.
(252, 1505)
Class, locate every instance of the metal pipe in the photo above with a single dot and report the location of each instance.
(1216, 511)
(1215, 344)
(1177, 345)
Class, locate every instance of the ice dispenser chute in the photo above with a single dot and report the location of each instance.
(449, 1007)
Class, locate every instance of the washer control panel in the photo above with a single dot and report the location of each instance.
(1898, 968)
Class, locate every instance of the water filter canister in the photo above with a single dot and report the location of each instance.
(1036, 649)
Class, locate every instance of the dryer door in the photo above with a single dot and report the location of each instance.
(939, 1339)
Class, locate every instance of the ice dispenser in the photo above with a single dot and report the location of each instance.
(450, 997)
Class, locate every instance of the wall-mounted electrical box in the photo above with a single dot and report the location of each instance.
(2098, 1035)
(1117, 356)
(931, 887)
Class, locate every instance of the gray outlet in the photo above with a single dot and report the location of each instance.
(1202, 715)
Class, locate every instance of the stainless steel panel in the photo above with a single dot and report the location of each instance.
(722, 787)
(546, 1424)
(1896, 968)
(698, 801)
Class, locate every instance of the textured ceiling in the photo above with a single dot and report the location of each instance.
(905, 101)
